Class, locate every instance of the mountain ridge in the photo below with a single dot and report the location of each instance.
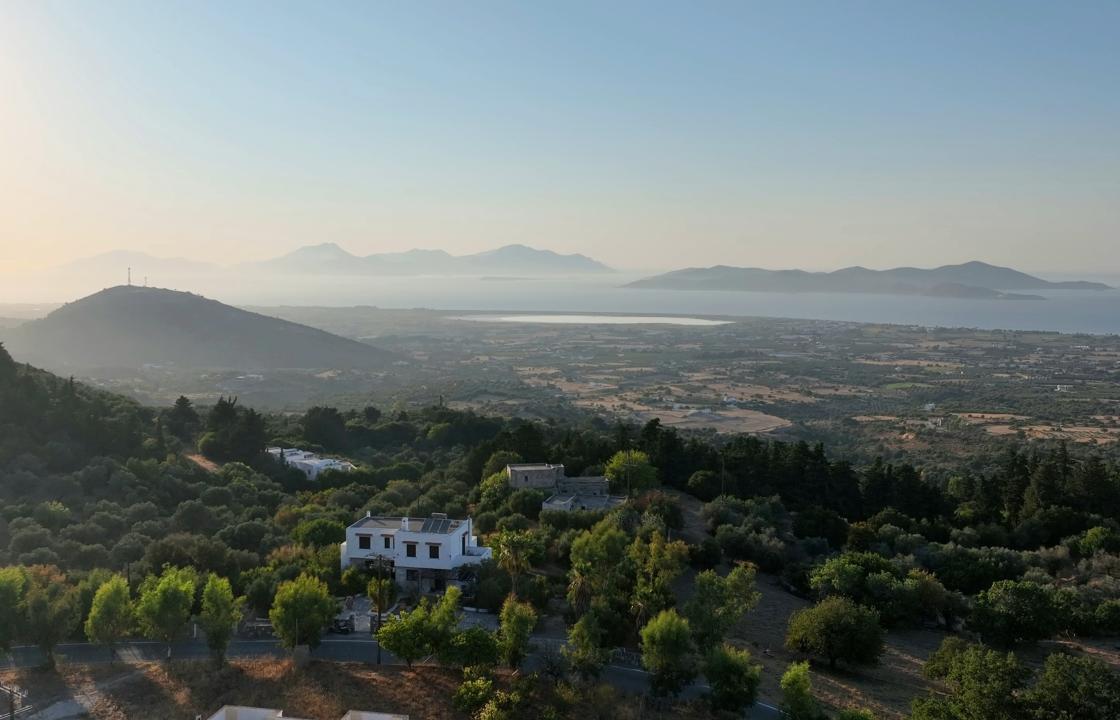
(332, 258)
(973, 279)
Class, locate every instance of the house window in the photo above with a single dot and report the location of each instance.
(363, 542)
(411, 575)
(388, 541)
(410, 549)
(433, 552)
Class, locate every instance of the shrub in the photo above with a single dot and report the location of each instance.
(472, 694)
(733, 677)
(837, 629)
(1015, 611)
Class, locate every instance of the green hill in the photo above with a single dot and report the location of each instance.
(129, 327)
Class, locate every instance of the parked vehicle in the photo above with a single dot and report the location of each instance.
(342, 625)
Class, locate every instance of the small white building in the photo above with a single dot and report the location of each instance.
(309, 463)
(423, 552)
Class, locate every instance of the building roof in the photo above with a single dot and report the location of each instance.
(532, 466)
(437, 524)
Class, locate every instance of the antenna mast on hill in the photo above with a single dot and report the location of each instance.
(130, 276)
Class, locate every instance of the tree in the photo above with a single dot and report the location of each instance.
(600, 572)
(719, 603)
(855, 714)
(51, 606)
(110, 616)
(443, 620)
(1014, 611)
(668, 653)
(837, 629)
(325, 426)
(221, 612)
(13, 588)
(498, 461)
(474, 647)
(182, 420)
(300, 611)
(983, 684)
(515, 552)
(656, 562)
(1074, 688)
(407, 635)
(382, 593)
(798, 702)
(517, 621)
(319, 532)
(630, 472)
(584, 651)
(164, 606)
(733, 677)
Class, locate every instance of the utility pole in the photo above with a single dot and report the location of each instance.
(380, 604)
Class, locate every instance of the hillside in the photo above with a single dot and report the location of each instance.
(968, 280)
(129, 327)
(331, 259)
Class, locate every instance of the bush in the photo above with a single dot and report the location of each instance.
(733, 677)
(513, 522)
(667, 653)
(706, 555)
(837, 629)
(798, 702)
(1015, 611)
(472, 694)
(485, 522)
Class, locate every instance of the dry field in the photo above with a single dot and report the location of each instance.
(887, 688)
(321, 691)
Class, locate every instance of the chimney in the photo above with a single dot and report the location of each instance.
(404, 523)
(369, 513)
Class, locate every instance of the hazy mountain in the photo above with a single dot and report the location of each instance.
(329, 258)
(530, 261)
(972, 280)
(129, 326)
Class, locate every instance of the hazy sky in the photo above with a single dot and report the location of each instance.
(777, 134)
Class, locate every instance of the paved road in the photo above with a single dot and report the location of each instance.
(334, 648)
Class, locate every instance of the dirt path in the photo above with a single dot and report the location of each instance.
(202, 462)
(694, 530)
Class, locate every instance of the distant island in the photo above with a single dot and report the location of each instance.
(330, 259)
(972, 280)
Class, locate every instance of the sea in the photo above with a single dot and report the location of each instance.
(1067, 311)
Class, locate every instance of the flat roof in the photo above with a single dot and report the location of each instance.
(533, 466)
(431, 525)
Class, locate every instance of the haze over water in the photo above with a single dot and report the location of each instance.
(1062, 311)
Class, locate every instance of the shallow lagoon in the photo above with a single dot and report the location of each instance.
(596, 320)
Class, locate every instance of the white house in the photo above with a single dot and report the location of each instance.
(428, 552)
(241, 712)
(308, 462)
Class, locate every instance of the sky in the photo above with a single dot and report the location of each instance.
(647, 135)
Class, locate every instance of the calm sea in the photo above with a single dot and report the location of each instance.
(1064, 311)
